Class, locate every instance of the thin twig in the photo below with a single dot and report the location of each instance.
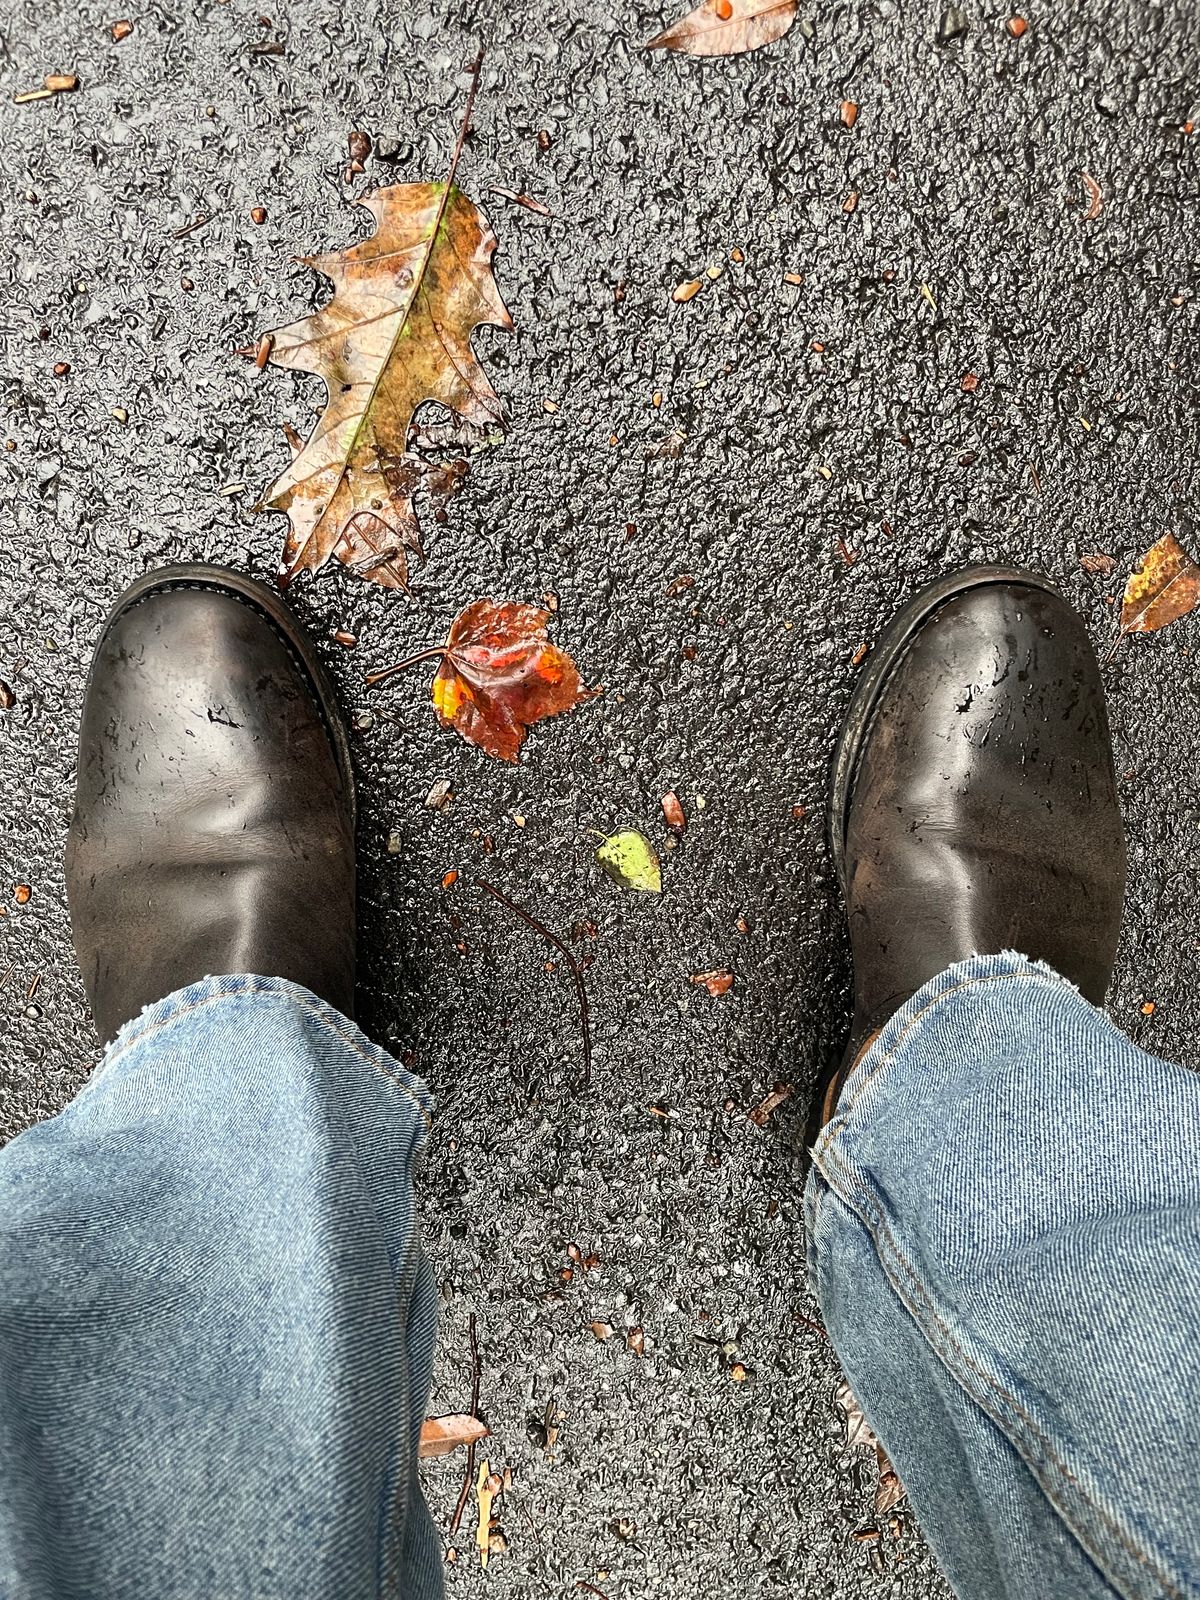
(401, 666)
(576, 971)
(582, 1583)
(464, 126)
(200, 220)
(469, 1475)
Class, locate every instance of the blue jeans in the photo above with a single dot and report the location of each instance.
(216, 1323)
(1004, 1227)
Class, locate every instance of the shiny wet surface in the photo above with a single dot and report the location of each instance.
(814, 415)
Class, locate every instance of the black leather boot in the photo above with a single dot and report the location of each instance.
(974, 805)
(214, 813)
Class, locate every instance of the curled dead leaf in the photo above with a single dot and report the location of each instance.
(727, 27)
(441, 1435)
(1166, 586)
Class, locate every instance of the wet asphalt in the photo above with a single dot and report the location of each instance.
(718, 561)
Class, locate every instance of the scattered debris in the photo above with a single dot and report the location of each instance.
(488, 1486)
(628, 858)
(727, 27)
(1095, 197)
(1098, 563)
(198, 221)
(442, 1435)
(683, 292)
(1166, 586)
(717, 982)
(635, 1340)
(518, 199)
(673, 812)
(602, 1331)
(498, 674)
(762, 1112)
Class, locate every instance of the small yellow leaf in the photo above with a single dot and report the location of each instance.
(629, 859)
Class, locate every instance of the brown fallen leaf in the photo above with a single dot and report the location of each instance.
(1166, 586)
(717, 983)
(727, 27)
(499, 674)
(441, 1435)
(1097, 563)
(396, 334)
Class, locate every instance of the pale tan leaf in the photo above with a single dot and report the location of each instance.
(727, 27)
(441, 1435)
(396, 334)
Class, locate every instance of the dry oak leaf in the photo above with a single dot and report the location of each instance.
(441, 1435)
(1166, 586)
(396, 334)
(499, 673)
(727, 27)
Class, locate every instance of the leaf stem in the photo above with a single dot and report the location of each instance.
(385, 673)
(465, 125)
(576, 970)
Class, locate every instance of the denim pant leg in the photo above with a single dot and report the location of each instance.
(1004, 1224)
(216, 1321)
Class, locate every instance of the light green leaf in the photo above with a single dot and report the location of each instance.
(629, 859)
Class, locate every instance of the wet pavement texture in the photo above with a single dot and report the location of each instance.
(719, 562)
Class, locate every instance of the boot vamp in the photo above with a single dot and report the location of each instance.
(984, 814)
(211, 831)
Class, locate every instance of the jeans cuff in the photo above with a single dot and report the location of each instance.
(226, 993)
(860, 1094)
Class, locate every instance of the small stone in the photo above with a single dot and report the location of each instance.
(119, 414)
(395, 842)
(61, 369)
(683, 292)
(359, 145)
(1018, 27)
(363, 721)
(544, 140)
(953, 25)
(440, 796)
(21, 894)
(602, 1331)
(258, 215)
(121, 29)
(849, 113)
(8, 698)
